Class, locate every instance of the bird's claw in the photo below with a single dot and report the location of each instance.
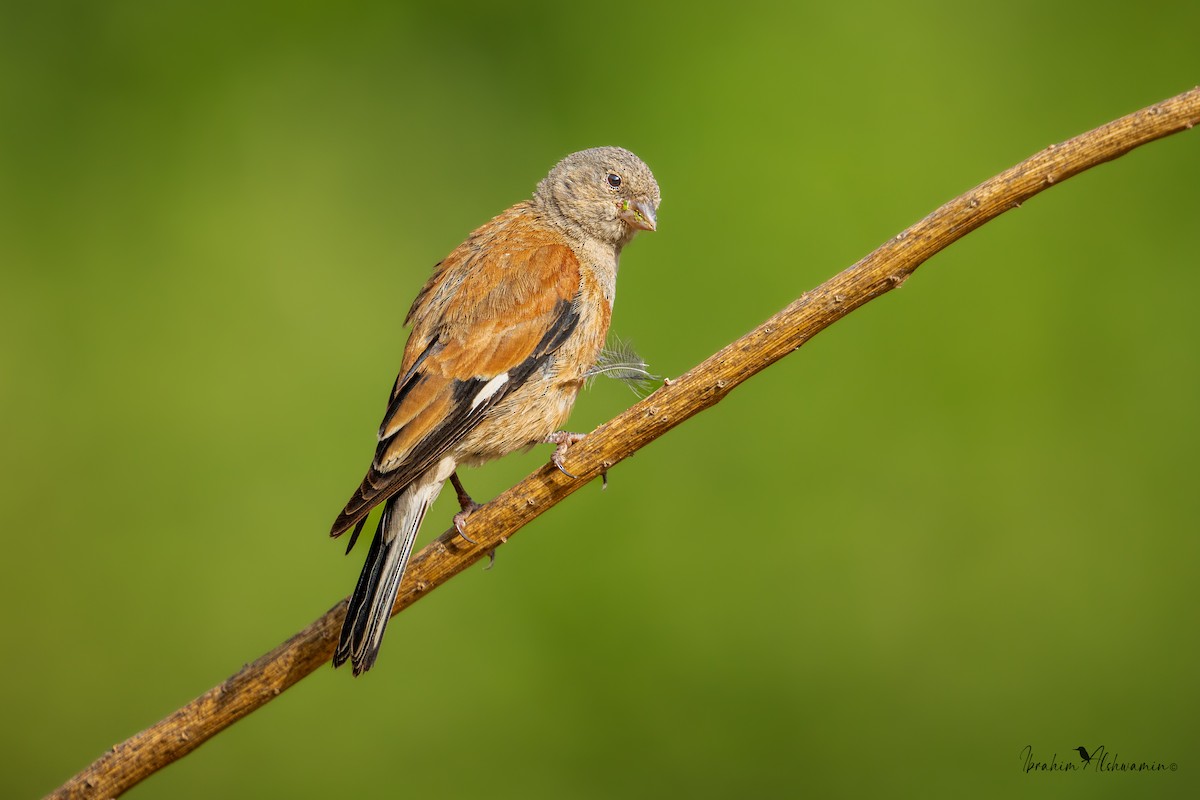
(460, 522)
(556, 459)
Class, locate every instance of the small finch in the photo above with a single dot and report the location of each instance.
(503, 336)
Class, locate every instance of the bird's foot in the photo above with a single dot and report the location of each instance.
(468, 507)
(564, 440)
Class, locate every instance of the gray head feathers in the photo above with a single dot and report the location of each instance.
(606, 193)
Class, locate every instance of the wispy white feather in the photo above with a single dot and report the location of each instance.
(619, 360)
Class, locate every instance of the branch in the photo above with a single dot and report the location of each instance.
(886, 268)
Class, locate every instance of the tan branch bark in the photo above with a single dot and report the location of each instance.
(254, 685)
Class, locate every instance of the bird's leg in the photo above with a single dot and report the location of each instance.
(468, 507)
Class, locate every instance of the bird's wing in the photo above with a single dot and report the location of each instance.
(487, 320)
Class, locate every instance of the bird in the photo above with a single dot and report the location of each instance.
(1083, 753)
(502, 337)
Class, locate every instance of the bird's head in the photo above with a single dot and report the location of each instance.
(607, 192)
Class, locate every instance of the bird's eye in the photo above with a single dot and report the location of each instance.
(614, 180)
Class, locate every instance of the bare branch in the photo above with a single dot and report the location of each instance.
(887, 267)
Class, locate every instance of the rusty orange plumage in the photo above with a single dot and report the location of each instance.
(503, 335)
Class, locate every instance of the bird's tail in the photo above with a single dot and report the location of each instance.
(371, 604)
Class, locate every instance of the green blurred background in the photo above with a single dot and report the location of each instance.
(961, 522)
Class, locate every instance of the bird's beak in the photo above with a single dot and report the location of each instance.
(639, 215)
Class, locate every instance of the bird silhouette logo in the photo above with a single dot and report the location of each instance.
(1083, 753)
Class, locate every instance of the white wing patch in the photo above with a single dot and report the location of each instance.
(489, 389)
